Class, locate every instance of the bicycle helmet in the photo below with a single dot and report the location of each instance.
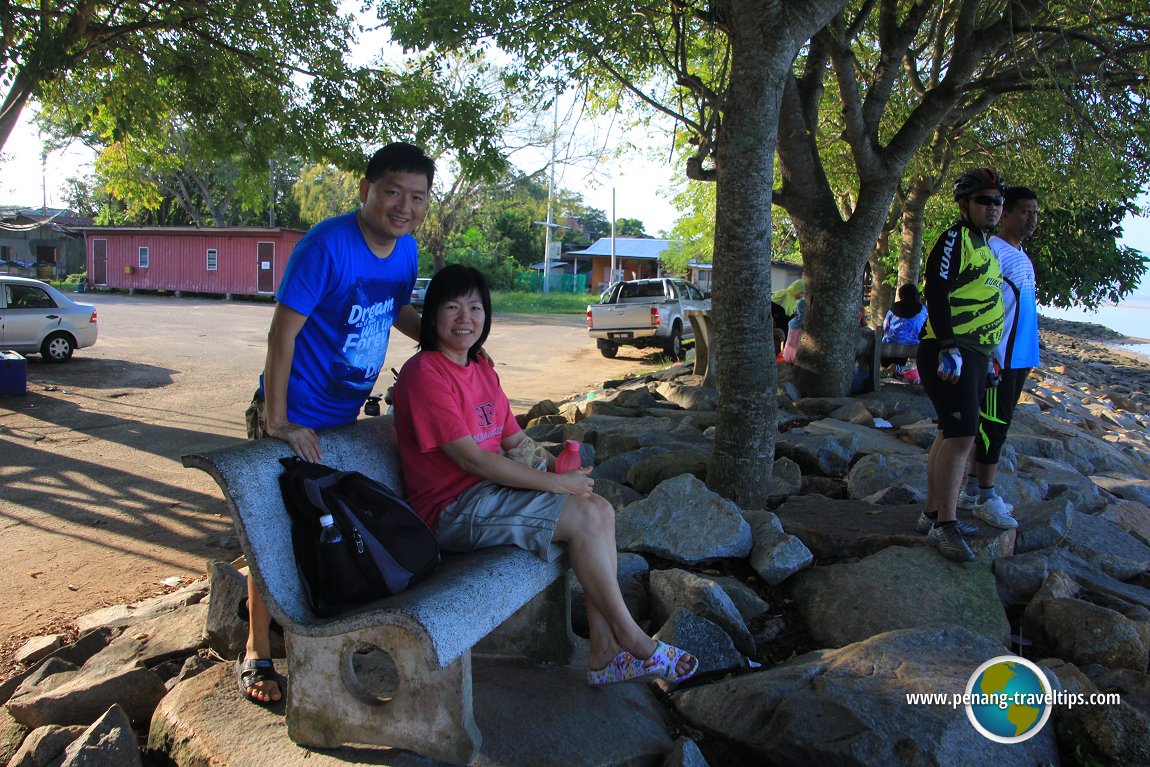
(974, 180)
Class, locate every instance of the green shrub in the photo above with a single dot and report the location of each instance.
(519, 302)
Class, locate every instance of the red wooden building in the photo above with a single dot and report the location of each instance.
(242, 261)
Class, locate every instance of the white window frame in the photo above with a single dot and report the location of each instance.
(145, 257)
(213, 259)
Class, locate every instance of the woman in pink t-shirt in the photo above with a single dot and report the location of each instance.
(455, 428)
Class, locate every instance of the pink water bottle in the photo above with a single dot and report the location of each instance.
(569, 459)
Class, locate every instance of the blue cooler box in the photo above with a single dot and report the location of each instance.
(13, 374)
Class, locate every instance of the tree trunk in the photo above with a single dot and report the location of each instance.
(913, 215)
(431, 242)
(765, 37)
(882, 294)
(833, 258)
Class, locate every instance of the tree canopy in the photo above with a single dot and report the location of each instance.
(1078, 260)
(217, 137)
(49, 43)
(1031, 139)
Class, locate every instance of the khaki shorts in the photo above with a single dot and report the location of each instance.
(487, 515)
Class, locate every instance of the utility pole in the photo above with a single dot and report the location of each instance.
(550, 201)
(44, 179)
(614, 267)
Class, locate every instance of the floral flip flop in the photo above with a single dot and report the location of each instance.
(665, 660)
(623, 668)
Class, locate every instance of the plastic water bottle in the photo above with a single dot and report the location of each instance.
(569, 459)
(328, 532)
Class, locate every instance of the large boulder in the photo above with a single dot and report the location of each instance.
(689, 397)
(776, 554)
(685, 522)
(1131, 516)
(83, 698)
(848, 707)
(225, 632)
(1125, 486)
(1112, 549)
(862, 440)
(1061, 477)
(673, 590)
(877, 472)
(786, 478)
(704, 639)
(1042, 524)
(108, 742)
(1080, 632)
(843, 529)
(153, 641)
(45, 745)
(838, 529)
(1036, 565)
(897, 588)
(617, 494)
(746, 600)
(818, 454)
(617, 467)
(646, 475)
(129, 614)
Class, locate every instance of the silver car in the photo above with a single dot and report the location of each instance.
(35, 317)
(418, 292)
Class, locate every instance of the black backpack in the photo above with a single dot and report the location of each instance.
(386, 547)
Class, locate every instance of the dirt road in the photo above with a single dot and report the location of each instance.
(95, 506)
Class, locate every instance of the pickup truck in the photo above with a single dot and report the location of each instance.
(645, 313)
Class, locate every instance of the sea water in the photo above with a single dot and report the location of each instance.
(1130, 318)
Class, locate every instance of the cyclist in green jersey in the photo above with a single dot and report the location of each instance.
(965, 318)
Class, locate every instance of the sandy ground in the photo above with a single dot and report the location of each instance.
(95, 506)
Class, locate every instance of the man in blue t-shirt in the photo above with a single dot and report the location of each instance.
(347, 284)
(1017, 353)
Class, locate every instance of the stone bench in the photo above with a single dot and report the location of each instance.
(503, 600)
(870, 351)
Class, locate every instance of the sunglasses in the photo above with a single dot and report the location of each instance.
(985, 199)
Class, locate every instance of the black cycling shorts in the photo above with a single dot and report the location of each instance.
(957, 404)
(997, 413)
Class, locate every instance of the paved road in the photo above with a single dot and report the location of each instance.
(95, 506)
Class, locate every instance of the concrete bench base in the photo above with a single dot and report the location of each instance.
(430, 712)
(500, 601)
(430, 709)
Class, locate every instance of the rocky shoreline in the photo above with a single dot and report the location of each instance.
(1087, 352)
(814, 618)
